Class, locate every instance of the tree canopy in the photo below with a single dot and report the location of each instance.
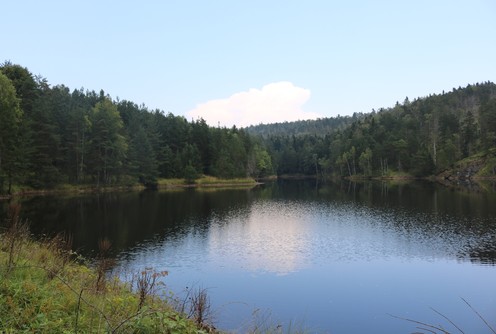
(421, 137)
(57, 136)
(51, 135)
(10, 119)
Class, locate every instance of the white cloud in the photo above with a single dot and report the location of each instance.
(275, 102)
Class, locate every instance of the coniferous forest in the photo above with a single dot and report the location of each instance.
(50, 135)
(423, 137)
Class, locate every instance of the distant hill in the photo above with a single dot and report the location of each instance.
(423, 137)
(318, 127)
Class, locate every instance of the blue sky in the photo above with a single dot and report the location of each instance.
(246, 62)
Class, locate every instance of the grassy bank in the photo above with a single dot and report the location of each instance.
(45, 289)
(206, 181)
(71, 189)
(202, 182)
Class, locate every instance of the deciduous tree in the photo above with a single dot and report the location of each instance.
(108, 146)
(10, 118)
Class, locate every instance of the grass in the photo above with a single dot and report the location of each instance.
(211, 180)
(164, 183)
(450, 328)
(45, 289)
(484, 161)
(397, 175)
(206, 181)
(489, 168)
(66, 188)
(173, 183)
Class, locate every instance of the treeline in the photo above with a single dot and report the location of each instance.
(317, 127)
(50, 136)
(420, 138)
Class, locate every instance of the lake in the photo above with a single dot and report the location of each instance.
(329, 258)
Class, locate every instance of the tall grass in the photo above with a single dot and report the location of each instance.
(424, 327)
(44, 288)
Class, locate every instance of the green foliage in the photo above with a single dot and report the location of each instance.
(365, 162)
(190, 174)
(306, 127)
(46, 292)
(11, 156)
(24, 84)
(56, 137)
(50, 136)
(488, 123)
(46, 151)
(214, 181)
(10, 117)
(263, 162)
(489, 170)
(108, 146)
(421, 138)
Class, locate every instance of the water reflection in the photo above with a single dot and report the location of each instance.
(350, 250)
(271, 237)
(272, 228)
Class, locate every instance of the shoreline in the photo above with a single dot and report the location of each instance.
(62, 292)
(173, 184)
(91, 189)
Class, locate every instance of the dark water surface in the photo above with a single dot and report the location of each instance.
(332, 258)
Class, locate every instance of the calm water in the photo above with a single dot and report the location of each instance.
(332, 258)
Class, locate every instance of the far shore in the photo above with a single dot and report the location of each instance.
(162, 184)
(208, 182)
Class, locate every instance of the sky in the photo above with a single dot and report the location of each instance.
(259, 61)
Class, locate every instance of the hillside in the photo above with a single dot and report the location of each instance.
(317, 127)
(51, 136)
(423, 137)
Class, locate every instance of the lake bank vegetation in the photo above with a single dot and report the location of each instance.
(45, 288)
(54, 138)
(203, 182)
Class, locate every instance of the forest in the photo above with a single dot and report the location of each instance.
(50, 135)
(418, 138)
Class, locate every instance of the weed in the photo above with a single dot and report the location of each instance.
(200, 309)
(34, 298)
(146, 283)
(196, 305)
(104, 263)
(61, 246)
(17, 232)
(438, 328)
(262, 322)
